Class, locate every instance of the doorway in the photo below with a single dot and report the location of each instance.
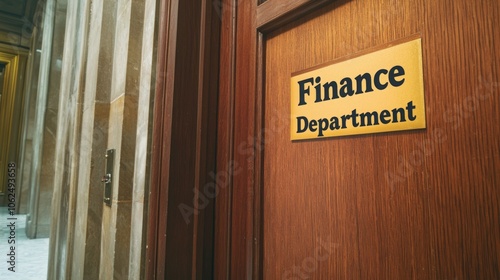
(9, 102)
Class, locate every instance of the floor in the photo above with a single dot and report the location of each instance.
(31, 255)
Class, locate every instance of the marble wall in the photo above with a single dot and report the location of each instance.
(104, 103)
(44, 125)
(26, 153)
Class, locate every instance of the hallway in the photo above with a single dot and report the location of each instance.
(31, 254)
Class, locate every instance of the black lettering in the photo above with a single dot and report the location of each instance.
(346, 88)
(323, 125)
(383, 115)
(354, 117)
(303, 91)
(344, 119)
(368, 82)
(366, 118)
(401, 112)
(376, 79)
(306, 122)
(331, 85)
(395, 72)
(318, 91)
(334, 123)
(410, 108)
(312, 125)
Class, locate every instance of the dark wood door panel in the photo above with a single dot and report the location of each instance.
(421, 204)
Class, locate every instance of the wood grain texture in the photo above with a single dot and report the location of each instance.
(329, 210)
(273, 13)
(225, 140)
(181, 239)
(242, 208)
(156, 196)
(238, 234)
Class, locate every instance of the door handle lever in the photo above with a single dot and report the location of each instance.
(106, 179)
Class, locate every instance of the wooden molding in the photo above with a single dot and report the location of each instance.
(273, 14)
(239, 205)
(153, 239)
(184, 131)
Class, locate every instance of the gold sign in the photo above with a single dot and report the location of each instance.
(379, 91)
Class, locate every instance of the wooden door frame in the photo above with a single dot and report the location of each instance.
(245, 24)
(187, 72)
(240, 127)
(7, 114)
(238, 232)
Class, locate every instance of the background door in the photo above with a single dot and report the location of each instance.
(415, 204)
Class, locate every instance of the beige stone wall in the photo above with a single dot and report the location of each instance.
(33, 35)
(104, 103)
(26, 153)
(43, 128)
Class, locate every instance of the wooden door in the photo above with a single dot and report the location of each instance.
(402, 205)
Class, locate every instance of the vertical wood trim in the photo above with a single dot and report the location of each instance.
(186, 64)
(209, 185)
(259, 160)
(168, 118)
(242, 238)
(239, 206)
(169, 74)
(200, 133)
(238, 209)
(225, 140)
(208, 76)
(156, 224)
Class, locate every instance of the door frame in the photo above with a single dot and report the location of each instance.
(237, 231)
(7, 105)
(187, 69)
(239, 212)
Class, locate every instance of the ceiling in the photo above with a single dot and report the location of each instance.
(13, 7)
(16, 16)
